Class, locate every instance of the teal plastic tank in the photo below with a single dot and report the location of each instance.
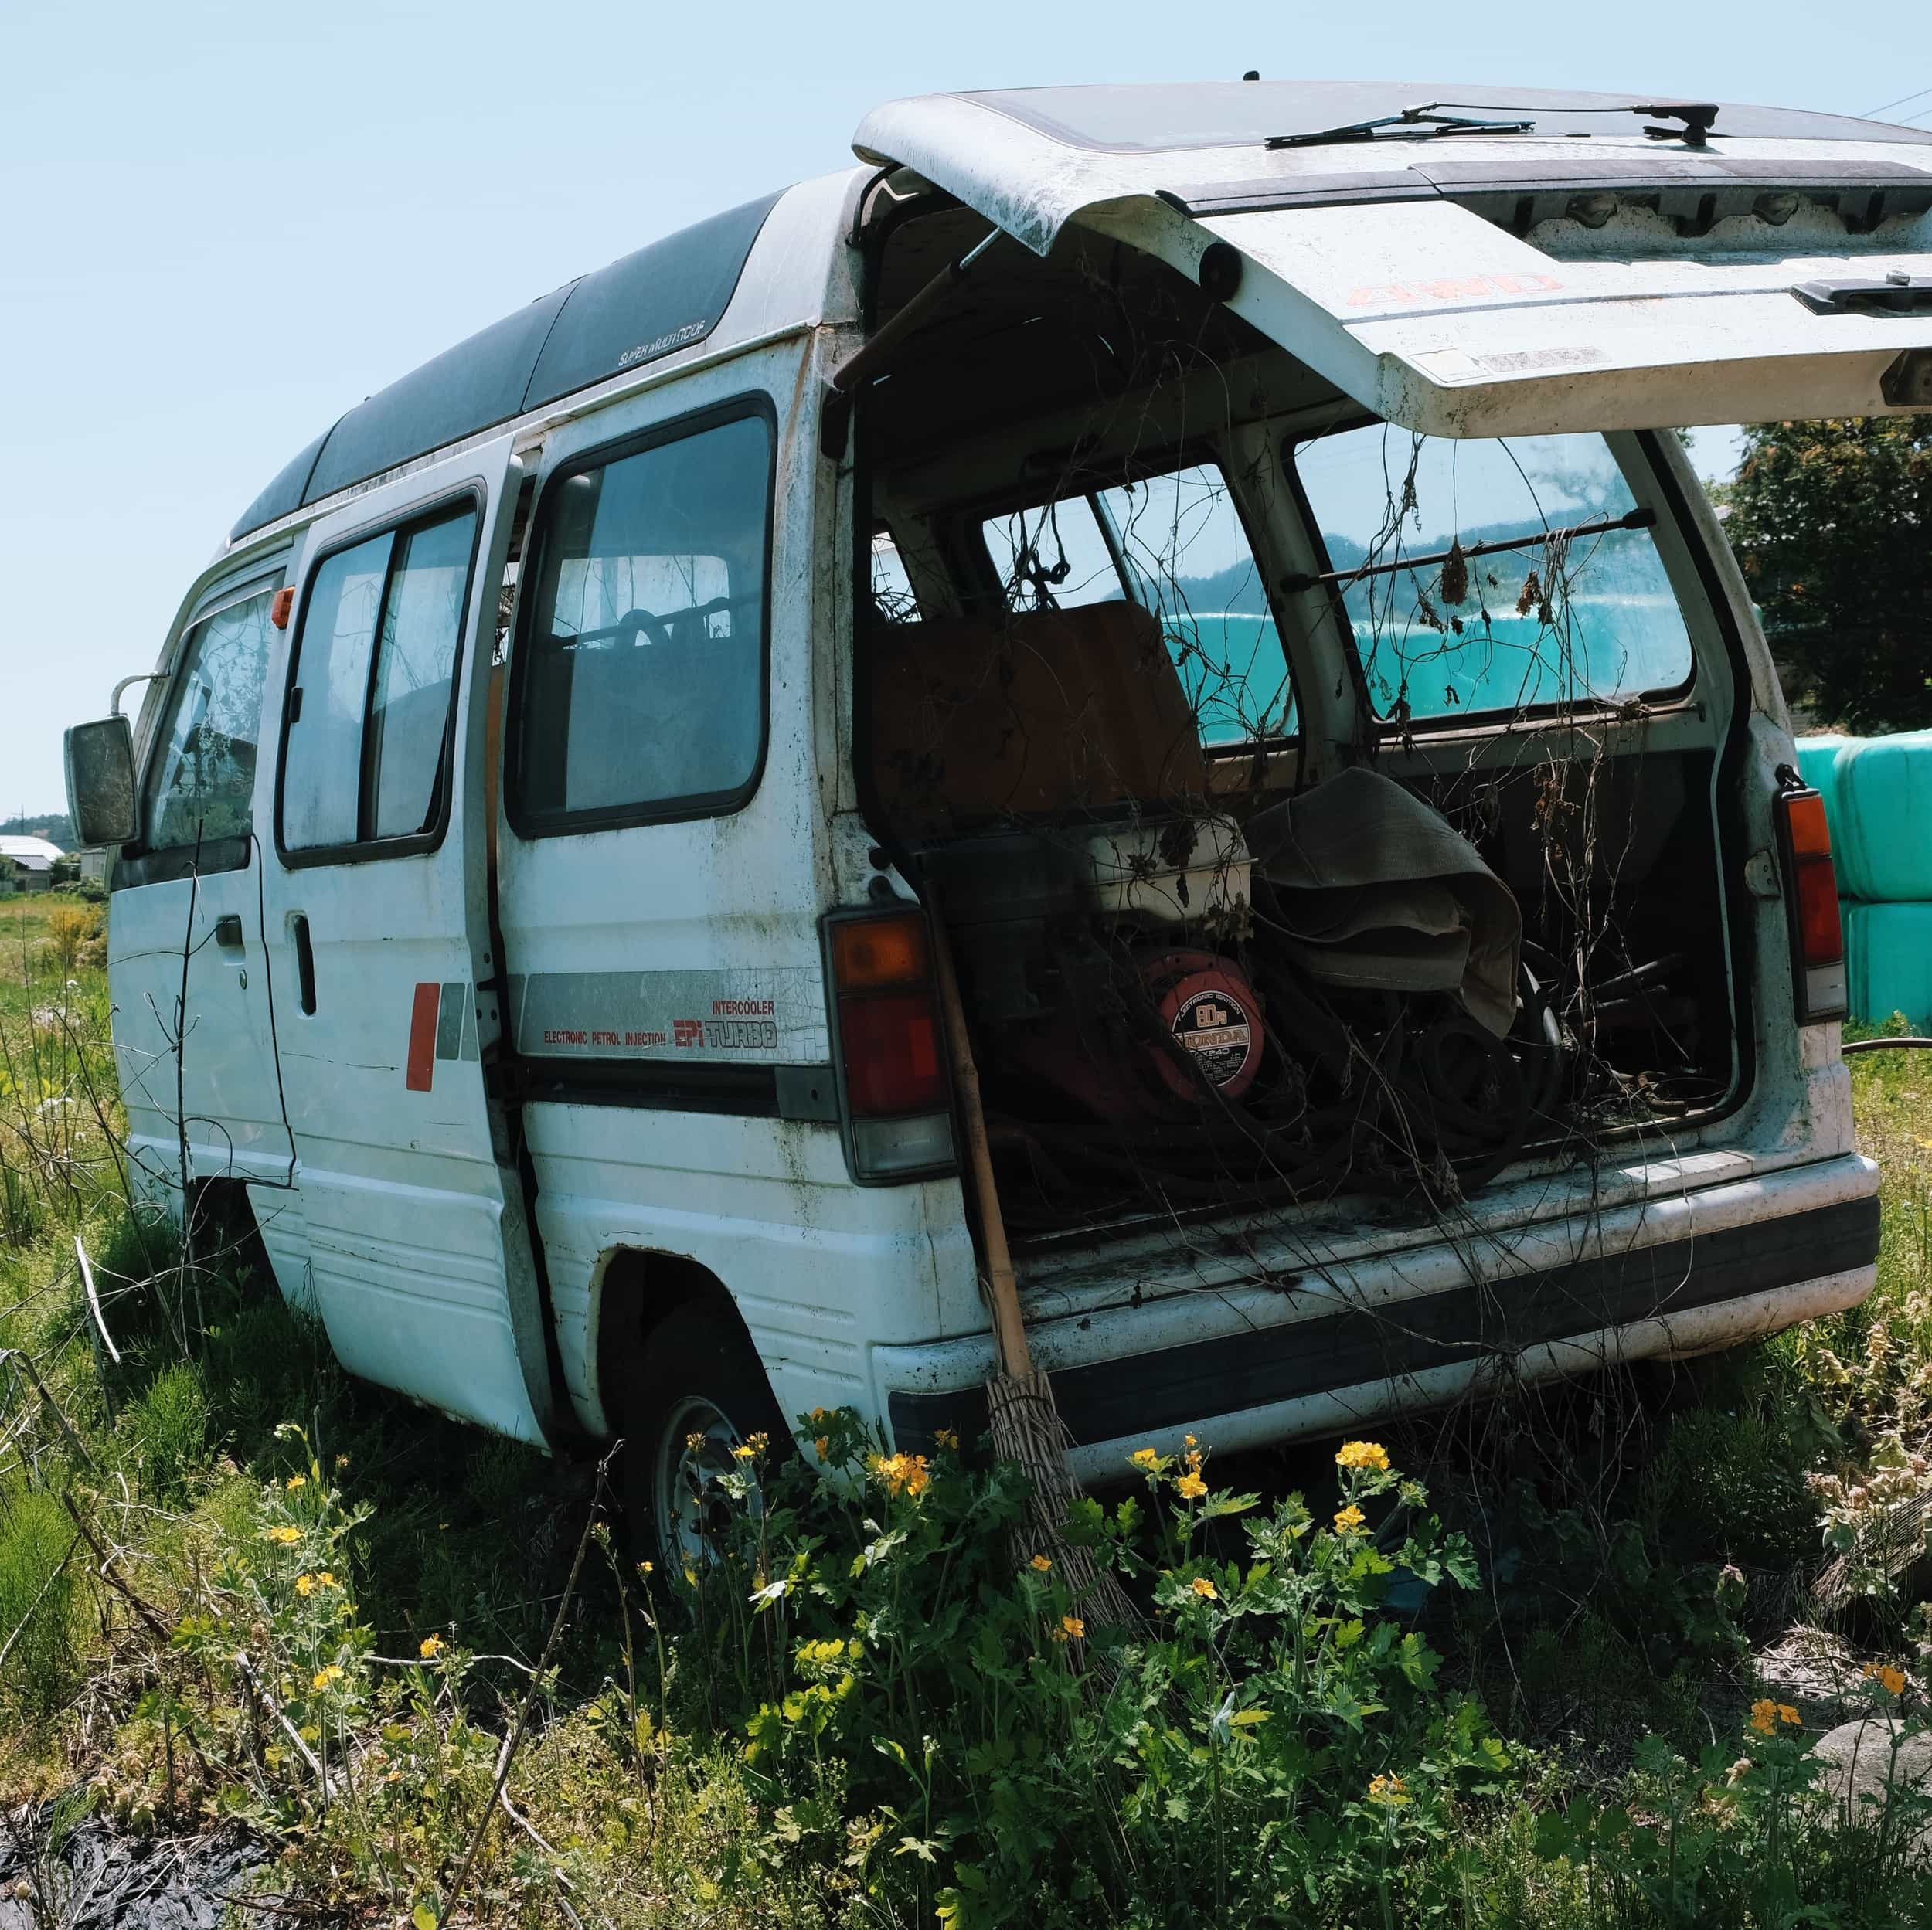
(1888, 961)
(1877, 800)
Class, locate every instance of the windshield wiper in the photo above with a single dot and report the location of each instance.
(1412, 124)
(1425, 123)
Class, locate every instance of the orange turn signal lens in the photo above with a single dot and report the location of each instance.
(867, 954)
(1810, 835)
(279, 610)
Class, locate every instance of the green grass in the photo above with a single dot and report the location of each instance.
(1606, 1519)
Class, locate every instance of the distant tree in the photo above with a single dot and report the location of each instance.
(56, 826)
(1832, 522)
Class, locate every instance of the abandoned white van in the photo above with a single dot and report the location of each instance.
(1213, 557)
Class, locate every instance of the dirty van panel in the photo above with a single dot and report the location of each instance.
(1483, 925)
(187, 901)
(409, 1207)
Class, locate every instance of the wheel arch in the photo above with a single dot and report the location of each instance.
(633, 1290)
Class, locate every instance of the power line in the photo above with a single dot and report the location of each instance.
(1870, 113)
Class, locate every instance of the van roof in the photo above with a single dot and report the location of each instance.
(1171, 116)
(663, 296)
(675, 291)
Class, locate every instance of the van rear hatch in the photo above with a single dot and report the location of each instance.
(1570, 262)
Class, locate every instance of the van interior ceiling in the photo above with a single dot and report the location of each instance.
(1312, 807)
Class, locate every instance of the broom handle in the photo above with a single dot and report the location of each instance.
(1002, 1289)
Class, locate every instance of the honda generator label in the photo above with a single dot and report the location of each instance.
(757, 1016)
(1213, 1026)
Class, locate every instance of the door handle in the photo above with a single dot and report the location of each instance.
(305, 962)
(228, 931)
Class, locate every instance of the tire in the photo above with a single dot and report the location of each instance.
(698, 1374)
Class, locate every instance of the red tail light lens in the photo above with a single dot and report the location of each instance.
(891, 1045)
(1810, 884)
(892, 1058)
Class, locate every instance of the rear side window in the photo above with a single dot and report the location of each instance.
(200, 779)
(642, 683)
(1562, 618)
(373, 686)
(1176, 545)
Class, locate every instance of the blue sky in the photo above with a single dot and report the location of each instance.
(220, 225)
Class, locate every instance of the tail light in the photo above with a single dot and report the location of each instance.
(1811, 897)
(895, 1096)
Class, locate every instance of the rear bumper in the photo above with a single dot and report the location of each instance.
(1310, 1353)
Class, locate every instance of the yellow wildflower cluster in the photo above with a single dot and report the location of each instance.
(751, 1447)
(286, 1536)
(295, 1481)
(1146, 1460)
(1190, 1484)
(326, 1678)
(1205, 1588)
(1890, 1680)
(307, 1585)
(1071, 1628)
(1040, 1563)
(906, 1474)
(1390, 1792)
(430, 1647)
(1363, 1454)
(1349, 1519)
(1765, 1715)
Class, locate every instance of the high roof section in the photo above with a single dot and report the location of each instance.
(664, 298)
(1033, 158)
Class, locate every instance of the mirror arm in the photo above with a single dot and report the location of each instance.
(146, 677)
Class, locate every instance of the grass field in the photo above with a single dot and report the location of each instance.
(234, 1585)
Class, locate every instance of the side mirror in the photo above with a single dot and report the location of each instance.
(100, 782)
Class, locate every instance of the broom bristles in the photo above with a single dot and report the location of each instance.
(1027, 1430)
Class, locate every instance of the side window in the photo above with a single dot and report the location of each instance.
(371, 692)
(642, 689)
(1557, 618)
(201, 778)
(1175, 544)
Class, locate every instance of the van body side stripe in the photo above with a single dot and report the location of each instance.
(422, 1059)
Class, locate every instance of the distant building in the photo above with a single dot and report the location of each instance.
(29, 863)
(94, 864)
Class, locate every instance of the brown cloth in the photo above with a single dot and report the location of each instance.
(1375, 890)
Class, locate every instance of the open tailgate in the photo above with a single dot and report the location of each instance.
(1389, 273)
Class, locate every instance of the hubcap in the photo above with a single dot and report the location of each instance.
(689, 1507)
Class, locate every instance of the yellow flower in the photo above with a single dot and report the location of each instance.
(430, 1646)
(287, 1536)
(1072, 1629)
(1390, 1792)
(823, 1444)
(342, 1460)
(305, 1584)
(819, 1414)
(904, 1474)
(1189, 1441)
(1205, 1588)
(1787, 1714)
(1764, 1716)
(1363, 1454)
(1040, 1562)
(323, 1677)
(1890, 1680)
(694, 1440)
(743, 1451)
(1146, 1460)
(644, 1568)
(945, 1437)
(1349, 1519)
(295, 1481)
(1190, 1487)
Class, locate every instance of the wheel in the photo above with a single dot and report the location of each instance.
(699, 1392)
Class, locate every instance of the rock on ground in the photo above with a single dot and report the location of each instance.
(104, 1881)
(1872, 1758)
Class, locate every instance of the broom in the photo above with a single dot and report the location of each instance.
(1026, 1426)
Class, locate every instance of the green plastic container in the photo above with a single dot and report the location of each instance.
(1877, 800)
(1888, 961)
